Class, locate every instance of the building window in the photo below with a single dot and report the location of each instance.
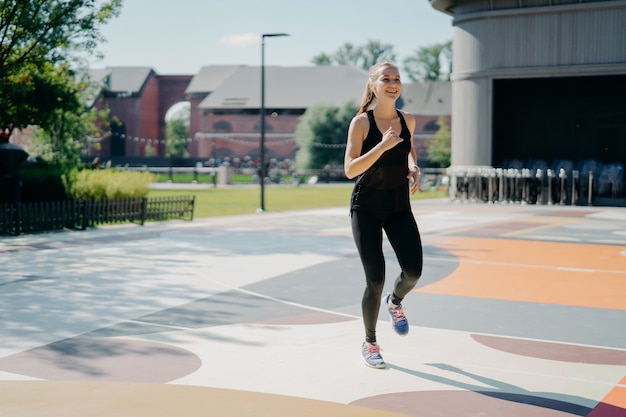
(431, 126)
(222, 126)
(268, 127)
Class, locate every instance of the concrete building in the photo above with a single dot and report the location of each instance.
(539, 83)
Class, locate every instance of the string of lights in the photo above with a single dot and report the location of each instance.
(329, 145)
(150, 141)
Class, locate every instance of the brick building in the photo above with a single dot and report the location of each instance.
(138, 99)
(225, 102)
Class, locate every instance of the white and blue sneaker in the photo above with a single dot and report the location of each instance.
(398, 320)
(371, 355)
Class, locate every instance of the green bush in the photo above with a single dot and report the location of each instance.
(107, 184)
(42, 182)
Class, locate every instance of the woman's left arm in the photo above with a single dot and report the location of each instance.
(414, 169)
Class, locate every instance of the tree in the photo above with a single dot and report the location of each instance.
(40, 41)
(359, 56)
(374, 52)
(426, 63)
(347, 54)
(321, 135)
(177, 133)
(446, 56)
(67, 134)
(29, 96)
(322, 59)
(439, 151)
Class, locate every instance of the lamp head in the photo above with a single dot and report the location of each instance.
(273, 35)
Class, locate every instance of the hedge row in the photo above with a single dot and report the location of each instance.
(45, 183)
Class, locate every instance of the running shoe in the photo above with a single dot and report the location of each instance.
(371, 355)
(398, 320)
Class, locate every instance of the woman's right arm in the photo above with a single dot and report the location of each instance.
(354, 163)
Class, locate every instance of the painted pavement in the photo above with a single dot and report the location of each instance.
(521, 311)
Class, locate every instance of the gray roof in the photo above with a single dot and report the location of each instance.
(239, 87)
(209, 78)
(99, 75)
(122, 79)
(288, 87)
(427, 98)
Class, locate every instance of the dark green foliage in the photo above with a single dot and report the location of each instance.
(363, 56)
(322, 134)
(40, 46)
(440, 150)
(426, 63)
(42, 182)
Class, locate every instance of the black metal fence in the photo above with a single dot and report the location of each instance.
(21, 218)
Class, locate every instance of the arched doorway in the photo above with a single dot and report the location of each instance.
(177, 120)
(118, 138)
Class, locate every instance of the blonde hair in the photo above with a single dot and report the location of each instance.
(368, 96)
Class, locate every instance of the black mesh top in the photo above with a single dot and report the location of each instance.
(384, 186)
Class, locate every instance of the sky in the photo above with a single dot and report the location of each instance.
(182, 36)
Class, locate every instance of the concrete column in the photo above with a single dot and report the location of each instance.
(471, 123)
(225, 175)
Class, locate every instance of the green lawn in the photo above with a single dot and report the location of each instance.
(182, 178)
(247, 199)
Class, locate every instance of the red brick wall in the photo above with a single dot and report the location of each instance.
(277, 147)
(194, 124)
(126, 109)
(246, 144)
(149, 129)
(422, 121)
(144, 116)
(171, 91)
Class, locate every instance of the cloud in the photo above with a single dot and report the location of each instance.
(240, 39)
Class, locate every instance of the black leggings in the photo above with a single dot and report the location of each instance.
(403, 235)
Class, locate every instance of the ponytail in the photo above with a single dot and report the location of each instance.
(368, 99)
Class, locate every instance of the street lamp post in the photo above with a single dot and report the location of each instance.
(262, 112)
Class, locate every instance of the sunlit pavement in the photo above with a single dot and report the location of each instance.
(521, 311)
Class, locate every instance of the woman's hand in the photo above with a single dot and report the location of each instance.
(390, 139)
(414, 175)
